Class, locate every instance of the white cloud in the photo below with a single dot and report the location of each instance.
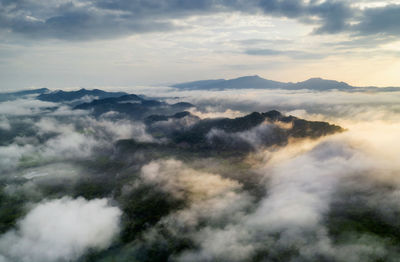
(11, 154)
(183, 182)
(67, 111)
(4, 123)
(301, 182)
(211, 113)
(61, 230)
(257, 137)
(124, 129)
(24, 107)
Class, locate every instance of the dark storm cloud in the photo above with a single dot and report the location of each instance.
(72, 21)
(87, 19)
(329, 16)
(335, 16)
(381, 21)
(105, 18)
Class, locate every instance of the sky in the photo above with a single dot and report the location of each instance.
(87, 43)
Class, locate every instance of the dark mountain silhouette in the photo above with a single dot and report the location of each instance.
(133, 106)
(321, 84)
(271, 128)
(237, 83)
(20, 94)
(256, 82)
(68, 96)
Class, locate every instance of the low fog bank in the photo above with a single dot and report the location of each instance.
(78, 187)
(313, 105)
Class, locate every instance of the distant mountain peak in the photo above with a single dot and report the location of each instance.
(22, 93)
(318, 83)
(257, 82)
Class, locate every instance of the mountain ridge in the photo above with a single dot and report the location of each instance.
(22, 93)
(68, 96)
(257, 82)
(132, 105)
(240, 134)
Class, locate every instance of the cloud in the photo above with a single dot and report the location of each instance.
(86, 19)
(379, 21)
(67, 111)
(289, 53)
(121, 129)
(79, 137)
(68, 141)
(4, 123)
(172, 125)
(73, 136)
(292, 217)
(265, 134)
(308, 201)
(229, 244)
(24, 107)
(72, 20)
(300, 188)
(212, 201)
(61, 230)
(11, 154)
(329, 16)
(334, 106)
(174, 177)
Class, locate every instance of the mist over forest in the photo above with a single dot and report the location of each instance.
(199, 131)
(172, 174)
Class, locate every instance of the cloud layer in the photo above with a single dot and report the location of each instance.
(72, 190)
(85, 19)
